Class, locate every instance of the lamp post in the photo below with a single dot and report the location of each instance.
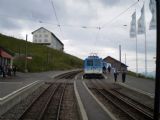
(157, 83)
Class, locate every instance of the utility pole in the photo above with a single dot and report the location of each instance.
(120, 53)
(120, 56)
(157, 83)
(26, 70)
(125, 58)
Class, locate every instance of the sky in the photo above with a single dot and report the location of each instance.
(80, 20)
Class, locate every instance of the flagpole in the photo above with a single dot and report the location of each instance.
(136, 56)
(145, 53)
(145, 42)
(133, 34)
(136, 52)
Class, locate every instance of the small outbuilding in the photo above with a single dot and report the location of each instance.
(6, 57)
(115, 63)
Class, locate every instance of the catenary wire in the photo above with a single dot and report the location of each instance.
(54, 10)
(116, 17)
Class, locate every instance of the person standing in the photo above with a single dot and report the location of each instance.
(104, 69)
(4, 71)
(109, 69)
(14, 70)
(9, 70)
(1, 69)
(123, 76)
(115, 75)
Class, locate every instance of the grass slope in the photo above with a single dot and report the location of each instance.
(43, 58)
(139, 75)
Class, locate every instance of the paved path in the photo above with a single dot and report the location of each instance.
(11, 84)
(93, 110)
(139, 83)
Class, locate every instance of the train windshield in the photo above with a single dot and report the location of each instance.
(89, 62)
(97, 62)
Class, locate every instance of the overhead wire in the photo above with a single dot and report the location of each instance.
(117, 16)
(72, 26)
(97, 33)
(54, 10)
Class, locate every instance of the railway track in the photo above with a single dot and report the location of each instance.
(52, 110)
(48, 105)
(55, 101)
(133, 110)
(39, 104)
(69, 75)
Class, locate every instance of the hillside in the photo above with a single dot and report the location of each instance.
(141, 75)
(43, 58)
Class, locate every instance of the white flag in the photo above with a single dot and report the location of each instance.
(133, 26)
(152, 7)
(141, 22)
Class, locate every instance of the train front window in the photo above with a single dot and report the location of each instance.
(97, 63)
(90, 63)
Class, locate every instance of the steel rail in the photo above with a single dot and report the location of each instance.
(60, 102)
(48, 102)
(42, 112)
(106, 97)
(67, 75)
(145, 110)
(142, 106)
(113, 103)
(35, 100)
(139, 110)
(147, 115)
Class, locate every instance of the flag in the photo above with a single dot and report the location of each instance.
(141, 22)
(152, 7)
(133, 26)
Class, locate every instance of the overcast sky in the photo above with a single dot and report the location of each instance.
(20, 17)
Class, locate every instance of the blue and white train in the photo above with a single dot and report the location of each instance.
(93, 66)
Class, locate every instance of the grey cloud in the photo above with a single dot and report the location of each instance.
(109, 2)
(9, 24)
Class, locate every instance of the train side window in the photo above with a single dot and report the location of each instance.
(90, 63)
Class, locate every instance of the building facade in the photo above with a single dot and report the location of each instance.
(6, 58)
(115, 63)
(45, 37)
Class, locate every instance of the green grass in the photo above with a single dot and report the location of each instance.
(139, 75)
(43, 58)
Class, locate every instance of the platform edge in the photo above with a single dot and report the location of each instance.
(80, 104)
(102, 106)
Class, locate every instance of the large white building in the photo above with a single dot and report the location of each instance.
(44, 36)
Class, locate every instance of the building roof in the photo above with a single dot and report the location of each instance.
(5, 53)
(50, 32)
(109, 57)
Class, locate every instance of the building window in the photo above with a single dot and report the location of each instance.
(46, 36)
(45, 40)
(35, 35)
(40, 35)
(40, 40)
(44, 31)
(35, 40)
